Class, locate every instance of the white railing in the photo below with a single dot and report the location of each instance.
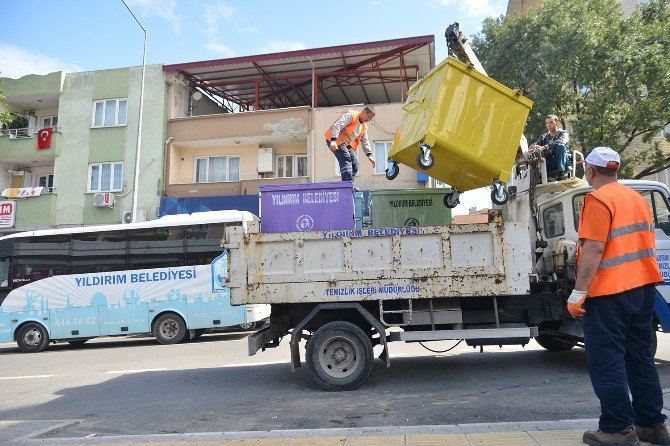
(27, 132)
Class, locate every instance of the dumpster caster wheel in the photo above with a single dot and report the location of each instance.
(451, 200)
(392, 171)
(499, 193)
(425, 159)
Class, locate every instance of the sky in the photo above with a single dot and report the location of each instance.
(39, 36)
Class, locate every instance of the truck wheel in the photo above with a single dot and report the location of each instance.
(555, 343)
(392, 171)
(32, 338)
(170, 328)
(339, 356)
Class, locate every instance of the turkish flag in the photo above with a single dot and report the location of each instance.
(44, 138)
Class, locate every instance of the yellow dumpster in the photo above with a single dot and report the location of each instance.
(460, 127)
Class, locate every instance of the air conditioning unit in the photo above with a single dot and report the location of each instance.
(265, 160)
(127, 216)
(103, 200)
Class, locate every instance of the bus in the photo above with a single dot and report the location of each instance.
(164, 277)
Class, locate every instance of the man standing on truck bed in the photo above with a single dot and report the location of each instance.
(616, 277)
(343, 138)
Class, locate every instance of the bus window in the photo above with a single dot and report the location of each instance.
(156, 247)
(36, 258)
(94, 252)
(6, 247)
(203, 243)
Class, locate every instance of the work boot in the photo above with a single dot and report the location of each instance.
(656, 434)
(626, 437)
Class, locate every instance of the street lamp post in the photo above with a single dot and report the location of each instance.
(139, 128)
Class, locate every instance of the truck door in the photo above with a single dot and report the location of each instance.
(658, 203)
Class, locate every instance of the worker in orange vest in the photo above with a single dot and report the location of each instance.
(615, 294)
(344, 136)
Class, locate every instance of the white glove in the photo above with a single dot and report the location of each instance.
(575, 302)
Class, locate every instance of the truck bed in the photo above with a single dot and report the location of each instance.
(487, 259)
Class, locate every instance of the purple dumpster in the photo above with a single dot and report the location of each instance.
(307, 207)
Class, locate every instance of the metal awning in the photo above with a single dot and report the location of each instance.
(371, 73)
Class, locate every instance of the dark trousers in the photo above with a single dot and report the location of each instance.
(557, 159)
(346, 157)
(618, 337)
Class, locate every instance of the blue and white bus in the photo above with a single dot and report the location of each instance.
(165, 277)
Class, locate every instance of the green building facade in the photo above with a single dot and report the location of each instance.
(86, 175)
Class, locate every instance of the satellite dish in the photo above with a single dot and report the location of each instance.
(197, 96)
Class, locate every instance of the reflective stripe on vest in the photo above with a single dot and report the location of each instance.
(346, 134)
(628, 259)
(624, 230)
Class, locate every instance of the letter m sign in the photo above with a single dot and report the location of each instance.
(7, 214)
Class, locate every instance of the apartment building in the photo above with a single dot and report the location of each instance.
(240, 123)
(68, 158)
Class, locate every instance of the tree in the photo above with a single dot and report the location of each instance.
(584, 61)
(4, 114)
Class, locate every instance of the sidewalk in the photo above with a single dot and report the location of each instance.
(542, 433)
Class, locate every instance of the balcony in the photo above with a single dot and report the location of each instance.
(18, 146)
(244, 187)
(35, 212)
(281, 124)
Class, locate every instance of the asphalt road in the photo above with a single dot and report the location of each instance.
(119, 386)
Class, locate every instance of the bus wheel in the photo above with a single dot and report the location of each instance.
(170, 328)
(339, 356)
(555, 343)
(248, 326)
(32, 338)
(77, 343)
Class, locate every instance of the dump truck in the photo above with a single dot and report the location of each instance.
(504, 282)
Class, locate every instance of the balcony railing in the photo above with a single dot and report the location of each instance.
(24, 133)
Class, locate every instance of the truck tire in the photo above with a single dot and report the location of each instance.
(339, 356)
(170, 328)
(32, 338)
(555, 343)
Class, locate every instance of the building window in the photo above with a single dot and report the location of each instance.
(49, 121)
(217, 169)
(290, 166)
(382, 149)
(110, 112)
(47, 182)
(105, 177)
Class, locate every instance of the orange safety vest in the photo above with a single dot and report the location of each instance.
(629, 259)
(348, 133)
